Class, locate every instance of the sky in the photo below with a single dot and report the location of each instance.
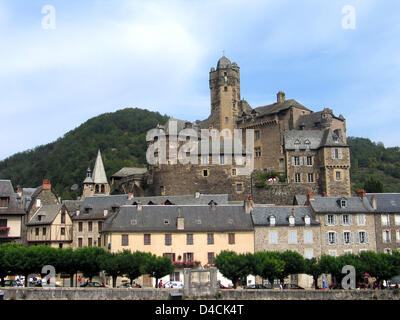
(63, 62)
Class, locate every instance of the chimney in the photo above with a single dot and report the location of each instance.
(46, 185)
(281, 97)
(19, 190)
(374, 203)
(77, 213)
(309, 197)
(139, 206)
(248, 204)
(130, 196)
(181, 223)
(105, 212)
(361, 193)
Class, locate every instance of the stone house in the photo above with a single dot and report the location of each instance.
(11, 214)
(347, 224)
(387, 220)
(96, 183)
(185, 233)
(50, 225)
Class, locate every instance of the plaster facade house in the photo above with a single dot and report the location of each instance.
(387, 220)
(347, 224)
(11, 214)
(185, 233)
(50, 225)
(282, 228)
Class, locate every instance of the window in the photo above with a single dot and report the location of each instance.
(174, 276)
(226, 120)
(210, 257)
(231, 238)
(343, 203)
(296, 160)
(63, 217)
(338, 175)
(38, 202)
(234, 172)
(102, 188)
(205, 173)
(221, 159)
(293, 237)
(397, 220)
(188, 257)
(292, 220)
(44, 231)
(307, 220)
(336, 154)
(225, 88)
(90, 226)
(210, 238)
(330, 219)
(37, 231)
(362, 237)
(297, 177)
(258, 152)
(309, 254)
(332, 238)
(63, 231)
(384, 220)
(361, 219)
(308, 237)
(272, 237)
(272, 221)
(147, 239)
(100, 226)
(90, 242)
(168, 239)
(189, 239)
(4, 202)
(124, 240)
(386, 236)
(60, 245)
(309, 160)
(3, 222)
(204, 159)
(398, 235)
(346, 237)
(239, 187)
(257, 135)
(80, 242)
(80, 226)
(99, 242)
(311, 177)
(345, 219)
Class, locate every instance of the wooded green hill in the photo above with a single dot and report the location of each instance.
(370, 159)
(121, 137)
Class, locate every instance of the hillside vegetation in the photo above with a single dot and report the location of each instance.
(370, 159)
(121, 137)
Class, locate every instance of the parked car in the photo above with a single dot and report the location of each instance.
(13, 283)
(292, 286)
(125, 285)
(173, 284)
(93, 284)
(257, 286)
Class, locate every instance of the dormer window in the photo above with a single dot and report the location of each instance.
(297, 145)
(343, 203)
(291, 220)
(166, 221)
(272, 221)
(307, 143)
(307, 220)
(4, 202)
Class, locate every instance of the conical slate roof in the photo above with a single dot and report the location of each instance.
(99, 174)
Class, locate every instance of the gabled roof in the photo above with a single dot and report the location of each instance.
(262, 214)
(156, 218)
(47, 212)
(386, 202)
(7, 190)
(202, 199)
(99, 174)
(97, 205)
(315, 138)
(332, 205)
(279, 107)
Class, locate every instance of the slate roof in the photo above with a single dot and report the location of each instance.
(203, 199)
(332, 205)
(309, 120)
(128, 171)
(98, 204)
(202, 218)
(261, 215)
(48, 214)
(99, 174)
(7, 190)
(72, 205)
(279, 107)
(315, 138)
(386, 202)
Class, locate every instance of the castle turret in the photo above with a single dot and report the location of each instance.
(225, 94)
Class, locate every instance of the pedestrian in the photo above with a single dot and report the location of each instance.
(160, 284)
(80, 280)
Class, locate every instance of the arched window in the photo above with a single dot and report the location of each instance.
(102, 188)
(97, 188)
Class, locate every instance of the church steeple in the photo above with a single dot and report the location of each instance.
(96, 183)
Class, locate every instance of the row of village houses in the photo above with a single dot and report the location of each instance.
(198, 227)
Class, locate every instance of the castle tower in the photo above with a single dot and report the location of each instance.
(96, 183)
(225, 94)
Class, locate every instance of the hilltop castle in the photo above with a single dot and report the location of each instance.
(308, 148)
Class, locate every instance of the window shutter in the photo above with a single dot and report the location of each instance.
(340, 154)
(343, 239)
(366, 237)
(327, 238)
(341, 220)
(350, 219)
(301, 160)
(358, 237)
(335, 219)
(336, 238)
(293, 161)
(333, 153)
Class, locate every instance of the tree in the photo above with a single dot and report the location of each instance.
(67, 263)
(157, 267)
(313, 268)
(233, 266)
(268, 265)
(132, 264)
(294, 263)
(4, 265)
(88, 259)
(329, 264)
(111, 264)
(373, 185)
